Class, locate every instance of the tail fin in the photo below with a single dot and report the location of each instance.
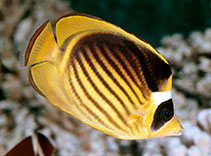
(41, 45)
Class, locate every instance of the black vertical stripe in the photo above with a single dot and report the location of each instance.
(99, 61)
(103, 81)
(82, 104)
(128, 58)
(137, 68)
(116, 68)
(107, 116)
(155, 70)
(97, 90)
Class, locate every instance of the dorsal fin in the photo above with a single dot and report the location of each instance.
(75, 22)
(42, 44)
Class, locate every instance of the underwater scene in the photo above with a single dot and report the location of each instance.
(75, 81)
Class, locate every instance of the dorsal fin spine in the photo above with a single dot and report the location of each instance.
(76, 22)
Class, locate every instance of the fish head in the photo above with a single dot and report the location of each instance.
(160, 120)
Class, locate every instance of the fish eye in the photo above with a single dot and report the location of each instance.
(162, 115)
(166, 115)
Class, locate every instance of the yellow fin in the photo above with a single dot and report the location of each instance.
(135, 118)
(48, 82)
(50, 86)
(41, 45)
(45, 79)
(76, 22)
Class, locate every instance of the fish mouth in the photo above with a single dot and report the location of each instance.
(179, 133)
(176, 132)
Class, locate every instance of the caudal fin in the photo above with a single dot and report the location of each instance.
(41, 46)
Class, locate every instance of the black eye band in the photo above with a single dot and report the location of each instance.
(163, 114)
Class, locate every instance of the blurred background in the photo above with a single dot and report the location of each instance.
(179, 29)
(150, 19)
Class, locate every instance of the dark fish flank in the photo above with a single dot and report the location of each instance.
(155, 70)
(113, 64)
(122, 56)
(113, 42)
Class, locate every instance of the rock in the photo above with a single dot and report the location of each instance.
(23, 30)
(205, 64)
(190, 69)
(22, 115)
(203, 85)
(174, 147)
(151, 147)
(193, 151)
(204, 119)
(203, 141)
(66, 141)
(111, 144)
(189, 132)
(151, 154)
(28, 92)
(124, 143)
(173, 142)
(8, 104)
(179, 150)
(178, 99)
(96, 143)
(173, 41)
(12, 88)
(10, 63)
(6, 47)
(189, 112)
(189, 83)
(3, 120)
(30, 125)
(201, 41)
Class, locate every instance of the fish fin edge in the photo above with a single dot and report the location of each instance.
(41, 45)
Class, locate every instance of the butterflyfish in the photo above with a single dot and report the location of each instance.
(104, 76)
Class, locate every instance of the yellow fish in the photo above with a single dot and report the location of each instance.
(104, 76)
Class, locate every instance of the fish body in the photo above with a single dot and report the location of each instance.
(104, 76)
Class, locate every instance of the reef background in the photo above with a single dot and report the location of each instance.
(23, 111)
